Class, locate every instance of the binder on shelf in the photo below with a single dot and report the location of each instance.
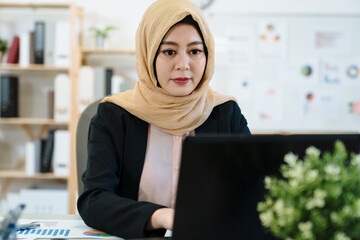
(32, 48)
(9, 96)
(108, 76)
(39, 43)
(118, 84)
(62, 44)
(99, 83)
(26, 46)
(61, 155)
(30, 164)
(50, 102)
(49, 44)
(13, 54)
(39, 153)
(86, 87)
(62, 98)
(47, 153)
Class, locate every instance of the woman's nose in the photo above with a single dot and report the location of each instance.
(182, 62)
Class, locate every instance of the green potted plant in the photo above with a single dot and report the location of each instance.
(3, 48)
(101, 34)
(316, 198)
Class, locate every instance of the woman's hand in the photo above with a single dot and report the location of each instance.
(161, 218)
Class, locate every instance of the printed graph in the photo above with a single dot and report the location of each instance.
(52, 232)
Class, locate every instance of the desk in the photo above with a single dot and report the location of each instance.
(25, 218)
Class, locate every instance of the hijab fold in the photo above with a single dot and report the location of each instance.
(173, 114)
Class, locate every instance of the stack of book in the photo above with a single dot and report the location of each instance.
(39, 155)
(96, 83)
(46, 43)
(51, 154)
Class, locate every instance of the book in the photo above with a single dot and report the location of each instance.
(25, 49)
(9, 96)
(108, 76)
(86, 87)
(62, 44)
(50, 102)
(99, 83)
(118, 84)
(13, 53)
(62, 97)
(61, 157)
(49, 46)
(39, 42)
(31, 48)
(30, 168)
(39, 153)
(47, 153)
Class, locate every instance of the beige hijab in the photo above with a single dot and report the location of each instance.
(173, 114)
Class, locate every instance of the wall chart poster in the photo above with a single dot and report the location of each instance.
(317, 104)
(272, 40)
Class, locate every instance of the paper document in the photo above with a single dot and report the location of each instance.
(60, 229)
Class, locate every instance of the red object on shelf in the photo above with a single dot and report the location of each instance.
(13, 54)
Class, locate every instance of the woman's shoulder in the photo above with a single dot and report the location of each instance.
(111, 110)
(111, 107)
(229, 106)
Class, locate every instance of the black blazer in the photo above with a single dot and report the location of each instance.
(116, 153)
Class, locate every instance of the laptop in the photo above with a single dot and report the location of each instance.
(221, 181)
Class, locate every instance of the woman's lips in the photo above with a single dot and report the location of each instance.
(181, 80)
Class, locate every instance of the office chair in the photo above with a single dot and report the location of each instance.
(82, 132)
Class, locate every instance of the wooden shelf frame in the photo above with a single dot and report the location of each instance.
(32, 67)
(33, 121)
(35, 5)
(18, 174)
(86, 51)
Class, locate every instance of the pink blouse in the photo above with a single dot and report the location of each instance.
(159, 179)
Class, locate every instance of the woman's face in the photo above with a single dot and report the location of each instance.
(181, 60)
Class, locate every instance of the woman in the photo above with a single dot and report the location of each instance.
(135, 138)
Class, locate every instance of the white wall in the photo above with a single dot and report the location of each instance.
(127, 14)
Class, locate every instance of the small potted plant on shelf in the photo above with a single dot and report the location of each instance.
(101, 34)
(316, 198)
(3, 48)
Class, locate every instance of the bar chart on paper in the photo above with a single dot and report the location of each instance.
(60, 229)
(46, 232)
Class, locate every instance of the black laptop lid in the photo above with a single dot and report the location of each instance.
(221, 181)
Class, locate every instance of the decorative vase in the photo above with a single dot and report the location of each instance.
(100, 39)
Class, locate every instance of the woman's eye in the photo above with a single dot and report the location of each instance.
(169, 52)
(195, 51)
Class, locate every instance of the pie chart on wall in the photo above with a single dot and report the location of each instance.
(352, 71)
(306, 70)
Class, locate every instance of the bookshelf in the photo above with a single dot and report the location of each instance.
(42, 125)
(85, 52)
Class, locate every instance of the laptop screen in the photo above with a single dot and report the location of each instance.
(222, 180)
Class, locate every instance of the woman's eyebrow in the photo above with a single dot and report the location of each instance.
(175, 44)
